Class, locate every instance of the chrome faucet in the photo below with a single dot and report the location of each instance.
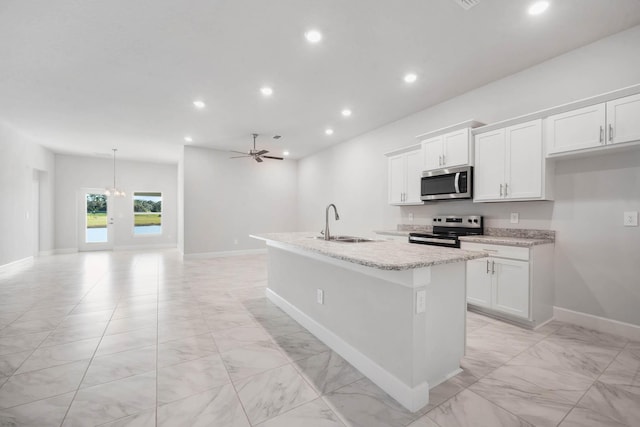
(327, 235)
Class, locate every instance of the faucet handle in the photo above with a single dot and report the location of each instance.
(322, 232)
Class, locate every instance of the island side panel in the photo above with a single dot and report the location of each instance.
(372, 315)
(439, 332)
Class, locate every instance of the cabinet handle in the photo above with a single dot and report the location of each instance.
(610, 133)
(439, 160)
(601, 134)
(493, 267)
(500, 190)
(506, 189)
(487, 266)
(444, 160)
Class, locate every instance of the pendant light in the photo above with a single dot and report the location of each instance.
(113, 191)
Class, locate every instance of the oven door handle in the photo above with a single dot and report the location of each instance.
(456, 183)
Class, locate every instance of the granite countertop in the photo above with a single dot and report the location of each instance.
(381, 254)
(492, 236)
(506, 241)
(403, 233)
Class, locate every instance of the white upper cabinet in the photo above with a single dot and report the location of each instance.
(595, 126)
(447, 150)
(405, 171)
(488, 174)
(623, 120)
(510, 164)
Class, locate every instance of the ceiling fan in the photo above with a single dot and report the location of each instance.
(257, 155)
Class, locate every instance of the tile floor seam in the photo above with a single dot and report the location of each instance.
(575, 405)
(237, 396)
(90, 361)
(504, 409)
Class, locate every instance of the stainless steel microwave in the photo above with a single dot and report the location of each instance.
(447, 184)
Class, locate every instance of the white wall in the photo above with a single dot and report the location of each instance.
(225, 200)
(76, 172)
(354, 176)
(26, 197)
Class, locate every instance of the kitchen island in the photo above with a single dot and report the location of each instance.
(394, 310)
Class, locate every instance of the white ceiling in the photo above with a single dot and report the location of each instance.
(83, 76)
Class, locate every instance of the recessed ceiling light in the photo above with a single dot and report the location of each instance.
(266, 91)
(199, 104)
(313, 36)
(538, 7)
(410, 78)
(346, 112)
(285, 153)
(329, 131)
(188, 138)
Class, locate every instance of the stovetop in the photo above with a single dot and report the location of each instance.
(447, 229)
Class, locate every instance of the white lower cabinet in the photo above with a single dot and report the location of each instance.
(513, 282)
(499, 284)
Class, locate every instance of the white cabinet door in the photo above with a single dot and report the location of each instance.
(511, 287)
(576, 130)
(414, 175)
(523, 167)
(397, 178)
(432, 149)
(479, 282)
(623, 120)
(456, 148)
(489, 171)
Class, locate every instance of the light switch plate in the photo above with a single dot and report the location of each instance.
(410, 216)
(631, 219)
(515, 217)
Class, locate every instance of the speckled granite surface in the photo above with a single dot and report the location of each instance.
(495, 236)
(505, 241)
(384, 254)
(513, 237)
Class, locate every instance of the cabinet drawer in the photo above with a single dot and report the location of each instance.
(512, 252)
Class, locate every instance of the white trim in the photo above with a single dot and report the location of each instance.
(16, 263)
(411, 398)
(600, 324)
(65, 251)
(141, 247)
(219, 254)
(47, 253)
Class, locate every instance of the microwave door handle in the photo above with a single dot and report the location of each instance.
(457, 183)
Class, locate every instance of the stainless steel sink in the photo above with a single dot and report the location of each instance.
(345, 239)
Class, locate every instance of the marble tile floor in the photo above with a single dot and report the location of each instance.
(146, 339)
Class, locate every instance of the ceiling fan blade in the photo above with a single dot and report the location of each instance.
(261, 152)
(237, 157)
(258, 159)
(239, 152)
(272, 157)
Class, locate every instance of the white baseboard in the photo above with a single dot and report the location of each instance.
(600, 324)
(16, 263)
(411, 398)
(219, 254)
(143, 247)
(47, 253)
(65, 251)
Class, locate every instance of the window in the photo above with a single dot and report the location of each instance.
(147, 213)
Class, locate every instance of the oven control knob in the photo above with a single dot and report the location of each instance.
(469, 220)
(475, 220)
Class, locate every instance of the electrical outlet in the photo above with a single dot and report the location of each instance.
(319, 296)
(421, 301)
(515, 217)
(410, 216)
(631, 219)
